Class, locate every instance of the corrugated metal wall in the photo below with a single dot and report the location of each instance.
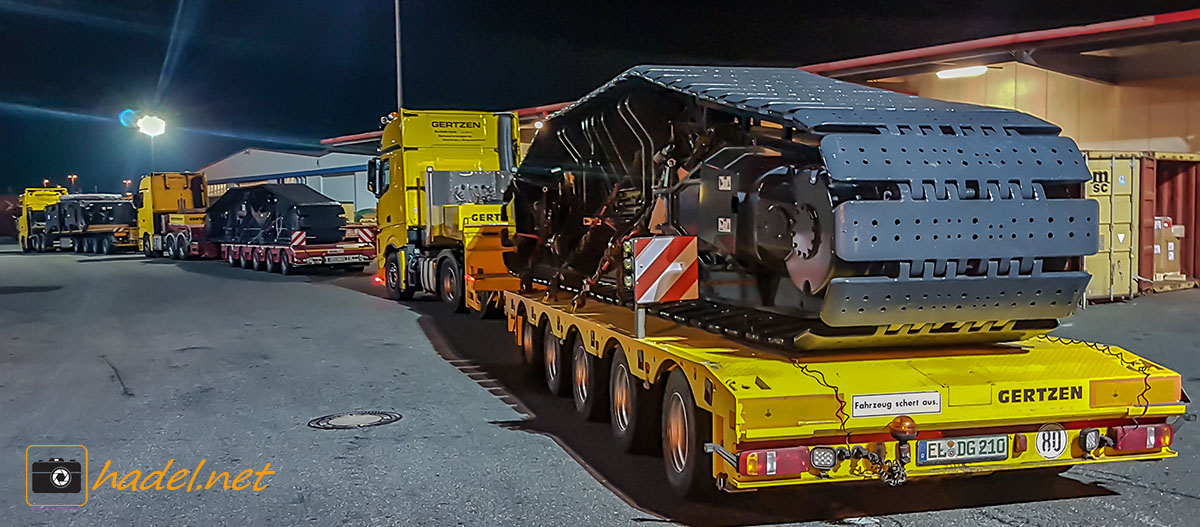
(8, 225)
(1177, 190)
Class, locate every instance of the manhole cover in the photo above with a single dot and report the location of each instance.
(354, 420)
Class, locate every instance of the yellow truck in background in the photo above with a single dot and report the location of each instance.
(169, 202)
(31, 219)
(440, 178)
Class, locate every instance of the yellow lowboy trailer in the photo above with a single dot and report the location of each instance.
(749, 417)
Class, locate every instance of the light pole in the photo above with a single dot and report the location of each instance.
(127, 182)
(72, 178)
(399, 84)
(153, 127)
(46, 182)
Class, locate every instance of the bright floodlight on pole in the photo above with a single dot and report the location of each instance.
(151, 125)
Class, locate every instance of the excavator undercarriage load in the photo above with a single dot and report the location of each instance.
(828, 214)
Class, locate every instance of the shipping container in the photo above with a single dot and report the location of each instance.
(1174, 193)
(1114, 185)
(1140, 186)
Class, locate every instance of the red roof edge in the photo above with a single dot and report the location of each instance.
(1005, 41)
(542, 110)
(352, 138)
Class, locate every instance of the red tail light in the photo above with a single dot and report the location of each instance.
(774, 462)
(1144, 437)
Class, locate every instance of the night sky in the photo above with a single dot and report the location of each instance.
(227, 75)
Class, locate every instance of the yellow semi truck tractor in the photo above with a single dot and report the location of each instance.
(169, 203)
(31, 219)
(443, 227)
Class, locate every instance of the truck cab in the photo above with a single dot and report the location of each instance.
(165, 197)
(440, 178)
(31, 219)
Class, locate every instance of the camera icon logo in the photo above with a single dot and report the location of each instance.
(56, 480)
(56, 475)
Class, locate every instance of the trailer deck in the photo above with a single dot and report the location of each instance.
(996, 400)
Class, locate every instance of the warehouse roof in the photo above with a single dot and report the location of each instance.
(1142, 47)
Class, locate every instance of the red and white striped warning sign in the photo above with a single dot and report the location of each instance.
(665, 269)
(299, 238)
(366, 235)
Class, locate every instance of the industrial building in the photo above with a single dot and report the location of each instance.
(341, 176)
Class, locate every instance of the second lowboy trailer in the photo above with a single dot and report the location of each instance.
(274, 227)
(91, 224)
(781, 279)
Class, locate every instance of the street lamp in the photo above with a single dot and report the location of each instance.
(46, 182)
(153, 127)
(127, 182)
(72, 178)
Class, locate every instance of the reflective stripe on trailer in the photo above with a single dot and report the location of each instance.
(366, 235)
(299, 238)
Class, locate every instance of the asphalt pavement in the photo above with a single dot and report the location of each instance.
(149, 361)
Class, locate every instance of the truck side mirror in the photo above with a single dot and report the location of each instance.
(137, 200)
(372, 175)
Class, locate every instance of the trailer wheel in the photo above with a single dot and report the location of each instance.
(89, 246)
(169, 247)
(488, 304)
(260, 260)
(272, 265)
(589, 376)
(108, 245)
(391, 278)
(450, 275)
(39, 243)
(557, 363)
(231, 256)
(181, 248)
(246, 259)
(531, 346)
(685, 429)
(285, 264)
(633, 411)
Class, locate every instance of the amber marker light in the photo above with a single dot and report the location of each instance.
(903, 428)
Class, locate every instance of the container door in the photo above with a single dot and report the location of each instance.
(1114, 266)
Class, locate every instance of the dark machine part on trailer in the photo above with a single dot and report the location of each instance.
(271, 213)
(828, 213)
(75, 212)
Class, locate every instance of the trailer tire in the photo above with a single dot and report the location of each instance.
(450, 281)
(391, 279)
(633, 411)
(39, 243)
(169, 247)
(231, 257)
(685, 429)
(260, 260)
(488, 307)
(247, 259)
(589, 382)
(181, 248)
(285, 264)
(556, 362)
(89, 246)
(108, 245)
(273, 265)
(531, 347)
(77, 245)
